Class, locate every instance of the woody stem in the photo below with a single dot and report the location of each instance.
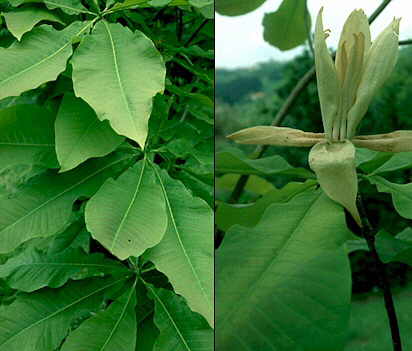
(383, 281)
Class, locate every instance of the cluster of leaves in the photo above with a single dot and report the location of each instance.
(106, 175)
(290, 256)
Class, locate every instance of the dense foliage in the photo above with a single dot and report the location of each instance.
(292, 258)
(106, 175)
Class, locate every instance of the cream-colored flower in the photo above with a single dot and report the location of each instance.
(346, 88)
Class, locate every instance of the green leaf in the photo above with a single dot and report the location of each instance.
(33, 269)
(130, 69)
(27, 137)
(39, 321)
(22, 20)
(249, 215)
(40, 57)
(75, 236)
(80, 135)
(286, 283)
(399, 161)
(237, 7)
(147, 334)
(401, 194)
(234, 161)
(44, 206)
(128, 215)
(395, 249)
(71, 7)
(185, 254)
(111, 330)
(200, 186)
(180, 328)
(287, 28)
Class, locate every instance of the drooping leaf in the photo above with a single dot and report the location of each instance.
(128, 215)
(40, 57)
(33, 269)
(285, 283)
(71, 7)
(75, 236)
(130, 69)
(180, 328)
(401, 194)
(287, 27)
(113, 329)
(43, 207)
(39, 321)
(80, 135)
(237, 7)
(334, 165)
(22, 20)
(249, 215)
(398, 161)
(185, 254)
(234, 161)
(27, 137)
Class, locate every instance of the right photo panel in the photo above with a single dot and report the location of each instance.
(313, 190)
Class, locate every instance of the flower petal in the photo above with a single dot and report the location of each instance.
(334, 165)
(328, 87)
(380, 62)
(398, 141)
(279, 136)
(356, 23)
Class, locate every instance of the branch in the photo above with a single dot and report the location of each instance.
(195, 33)
(367, 233)
(287, 105)
(405, 42)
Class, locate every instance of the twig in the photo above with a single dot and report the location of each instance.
(378, 11)
(195, 33)
(367, 233)
(287, 105)
(405, 42)
(307, 23)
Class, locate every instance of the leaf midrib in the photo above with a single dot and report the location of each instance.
(180, 240)
(275, 258)
(62, 310)
(126, 214)
(44, 59)
(120, 317)
(60, 194)
(116, 66)
(170, 317)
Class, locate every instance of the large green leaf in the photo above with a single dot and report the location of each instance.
(399, 161)
(27, 137)
(237, 7)
(130, 69)
(44, 206)
(235, 161)
(288, 26)
(80, 135)
(33, 269)
(71, 7)
(111, 330)
(128, 215)
(401, 194)
(285, 284)
(40, 57)
(180, 328)
(22, 20)
(185, 254)
(39, 321)
(249, 215)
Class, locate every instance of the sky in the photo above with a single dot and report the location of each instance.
(239, 40)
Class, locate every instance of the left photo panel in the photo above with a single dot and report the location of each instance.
(106, 175)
